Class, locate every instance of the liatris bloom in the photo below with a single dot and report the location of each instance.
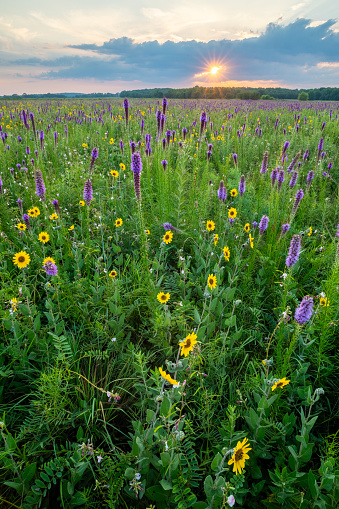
(41, 136)
(280, 178)
(264, 163)
(19, 139)
(168, 226)
(293, 163)
(164, 164)
(158, 117)
(304, 312)
(298, 197)
(203, 122)
(88, 192)
(294, 251)
(209, 153)
(94, 156)
(184, 132)
(285, 147)
(222, 192)
(142, 125)
(235, 158)
(320, 148)
(254, 224)
(126, 106)
(31, 117)
(329, 166)
(55, 137)
(242, 185)
(132, 145)
(136, 167)
(284, 228)
(163, 143)
(121, 146)
(39, 185)
(164, 105)
(293, 180)
(274, 175)
(50, 268)
(56, 206)
(323, 125)
(1, 186)
(337, 234)
(19, 202)
(25, 219)
(24, 119)
(263, 224)
(305, 156)
(28, 151)
(309, 178)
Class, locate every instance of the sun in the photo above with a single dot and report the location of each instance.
(214, 70)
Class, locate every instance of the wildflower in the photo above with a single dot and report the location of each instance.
(94, 156)
(304, 312)
(247, 227)
(298, 197)
(147, 232)
(48, 259)
(21, 259)
(264, 163)
(168, 226)
(274, 175)
(263, 224)
(280, 384)
(210, 225)
(294, 251)
(242, 185)
(50, 268)
(231, 500)
(126, 107)
(310, 231)
(188, 344)
(71, 228)
(254, 224)
(324, 301)
(167, 377)
(21, 226)
(19, 202)
(53, 216)
(81, 203)
(233, 193)
(284, 228)
(56, 206)
(163, 297)
(122, 166)
(212, 281)
(113, 395)
(251, 240)
(216, 238)
(232, 212)
(227, 253)
(281, 178)
(88, 192)
(113, 273)
(39, 185)
(293, 180)
(114, 173)
(222, 192)
(164, 164)
(99, 458)
(43, 237)
(167, 238)
(111, 141)
(118, 222)
(239, 456)
(84, 145)
(136, 167)
(14, 304)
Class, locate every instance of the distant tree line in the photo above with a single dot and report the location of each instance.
(321, 94)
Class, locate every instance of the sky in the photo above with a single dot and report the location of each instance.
(110, 46)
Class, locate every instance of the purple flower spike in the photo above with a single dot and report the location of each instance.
(292, 164)
(298, 197)
(285, 147)
(184, 132)
(158, 117)
(88, 192)
(263, 224)
(136, 167)
(19, 202)
(281, 178)
(242, 185)
(132, 145)
(56, 206)
(94, 157)
(293, 180)
(164, 164)
(254, 224)
(126, 107)
(25, 219)
(222, 192)
(209, 153)
(305, 156)
(304, 312)
(41, 136)
(264, 163)
(39, 185)
(274, 176)
(294, 251)
(168, 226)
(203, 122)
(164, 105)
(121, 146)
(337, 234)
(235, 158)
(50, 268)
(285, 227)
(309, 178)
(1, 186)
(320, 148)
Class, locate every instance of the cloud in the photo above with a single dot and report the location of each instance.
(292, 55)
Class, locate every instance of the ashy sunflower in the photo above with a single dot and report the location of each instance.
(147, 232)
(188, 344)
(227, 253)
(118, 222)
(232, 212)
(82, 203)
(247, 227)
(233, 192)
(48, 259)
(324, 301)
(71, 228)
(111, 141)
(167, 377)
(167, 238)
(21, 259)
(239, 456)
(251, 240)
(163, 297)
(53, 216)
(310, 231)
(43, 237)
(212, 281)
(114, 173)
(280, 383)
(36, 211)
(210, 225)
(122, 166)
(31, 213)
(21, 226)
(84, 145)
(216, 238)
(113, 273)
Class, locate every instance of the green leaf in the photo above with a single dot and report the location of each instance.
(208, 486)
(40, 484)
(45, 477)
(196, 316)
(165, 407)
(10, 443)
(37, 323)
(80, 434)
(149, 415)
(18, 486)
(165, 459)
(28, 473)
(166, 484)
(312, 484)
(216, 462)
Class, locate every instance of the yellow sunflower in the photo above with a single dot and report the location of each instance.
(84, 145)
(111, 141)
(31, 213)
(251, 240)
(210, 225)
(163, 297)
(48, 259)
(21, 259)
(82, 203)
(167, 238)
(148, 232)
(21, 226)
(71, 228)
(216, 238)
(113, 273)
(232, 212)
(188, 344)
(281, 383)
(36, 211)
(212, 281)
(118, 222)
(233, 192)
(227, 253)
(53, 216)
(122, 166)
(310, 231)
(167, 377)
(43, 237)
(324, 301)
(239, 456)
(114, 173)
(247, 227)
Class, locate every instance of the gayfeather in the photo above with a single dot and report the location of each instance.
(320, 148)
(222, 192)
(293, 163)
(285, 147)
(88, 192)
(284, 228)
(293, 180)
(254, 224)
(294, 251)
(50, 268)
(132, 145)
(168, 226)
(55, 137)
(126, 107)
(280, 178)
(323, 125)
(136, 167)
(121, 146)
(264, 163)
(24, 119)
(168, 136)
(41, 136)
(164, 164)
(203, 122)
(307, 153)
(94, 156)
(242, 185)
(56, 206)
(274, 175)
(304, 312)
(337, 234)
(28, 151)
(263, 224)
(142, 124)
(164, 105)
(298, 197)
(209, 153)
(39, 185)
(184, 132)
(162, 122)
(31, 117)
(1, 186)
(20, 202)
(235, 158)
(25, 219)
(309, 178)
(158, 117)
